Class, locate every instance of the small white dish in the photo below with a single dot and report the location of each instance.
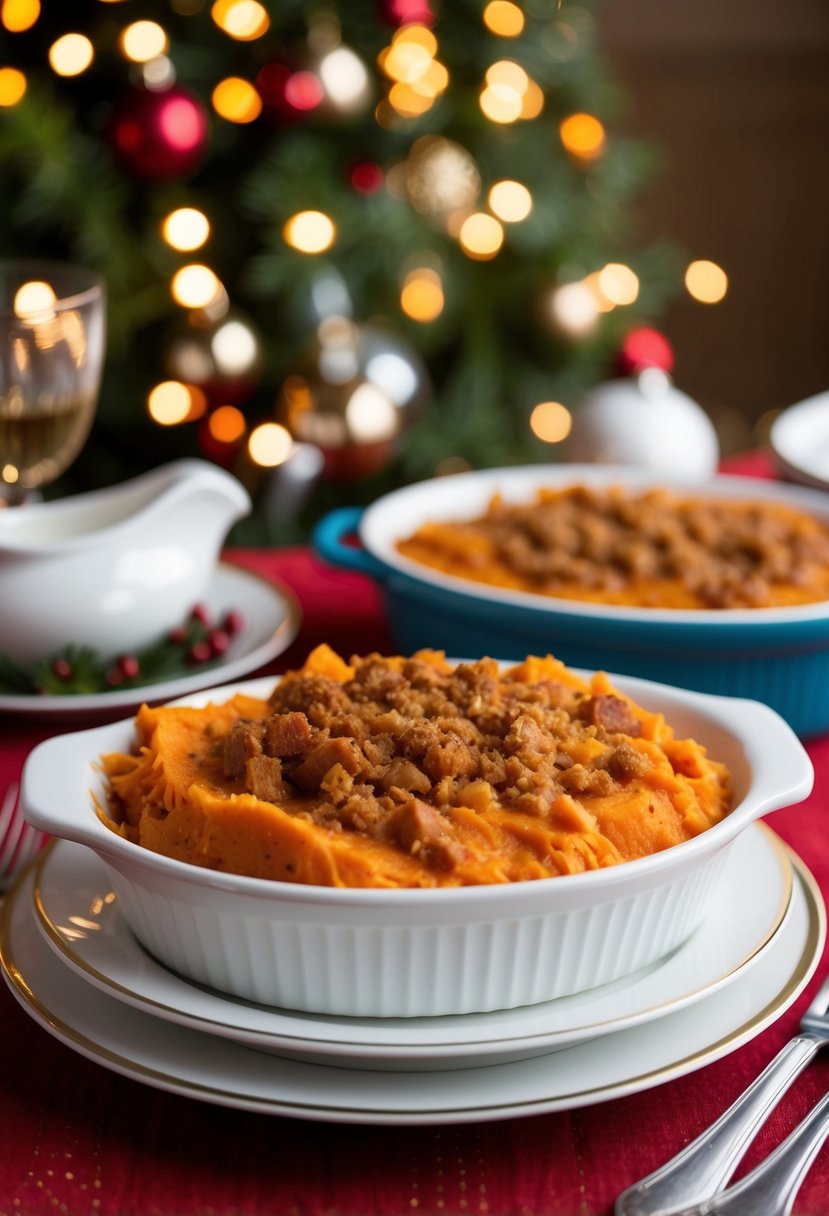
(79, 914)
(799, 438)
(272, 618)
(183, 1061)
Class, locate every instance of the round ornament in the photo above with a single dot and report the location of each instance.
(328, 82)
(407, 12)
(221, 355)
(159, 134)
(643, 348)
(643, 421)
(353, 398)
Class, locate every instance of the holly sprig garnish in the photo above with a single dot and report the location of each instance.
(200, 641)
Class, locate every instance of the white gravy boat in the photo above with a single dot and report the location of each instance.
(113, 569)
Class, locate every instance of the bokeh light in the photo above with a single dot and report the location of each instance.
(706, 282)
(551, 421)
(12, 86)
(583, 136)
(481, 236)
(34, 300)
(310, 232)
(71, 54)
(503, 18)
(195, 286)
(143, 41)
(574, 310)
(19, 15)
(236, 100)
(510, 201)
(421, 297)
(227, 424)
(169, 403)
(244, 20)
(270, 444)
(618, 283)
(186, 229)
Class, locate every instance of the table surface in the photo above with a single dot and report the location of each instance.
(76, 1138)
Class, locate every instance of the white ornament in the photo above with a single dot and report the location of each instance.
(643, 420)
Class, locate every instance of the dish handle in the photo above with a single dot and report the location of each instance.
(329, 538)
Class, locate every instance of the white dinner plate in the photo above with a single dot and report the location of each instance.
(184, 1061)
(799, 438)
(79, 914)
(272, 618)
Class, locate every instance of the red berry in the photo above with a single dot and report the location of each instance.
(218, 641)
(114, 677)
(129, 666)
(233, 623)
(62, 668)
(178, 636)
(199, 652)
(201, 612)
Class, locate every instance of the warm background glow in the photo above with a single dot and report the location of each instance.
(706, 282)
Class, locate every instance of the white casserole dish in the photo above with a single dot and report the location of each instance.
(415, 953)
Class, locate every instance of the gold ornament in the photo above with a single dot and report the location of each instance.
(441, 178)
(354, 396)
(219, 354)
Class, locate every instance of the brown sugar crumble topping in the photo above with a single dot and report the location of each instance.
(652, 549)
(384, 752)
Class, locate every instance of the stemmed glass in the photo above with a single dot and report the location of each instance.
(52, 339)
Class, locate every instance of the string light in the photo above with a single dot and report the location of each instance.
(195, 286)
(71, 54)
(510, 201)
(270, 444)
(244, 20)
(237, 100)
(419, 78)
(227, 424)
(502, 98)
(310, 232)
(186, 229)
(574, 310)
(19, 15)
(503, 18)
(421, 297)
(706, 282)
(12, 86)
(169, 403)
(583, 136)
(34, 301)
(533, 101)
(143, 41)
(344, 78)
(618, 283)
(481, 236)
(551, 421)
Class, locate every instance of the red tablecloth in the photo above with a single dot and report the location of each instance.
(76, 1138)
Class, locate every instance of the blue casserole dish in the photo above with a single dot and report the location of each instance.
(776, 655)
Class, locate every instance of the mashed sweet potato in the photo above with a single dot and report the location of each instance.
(413, 772)
(653, 549)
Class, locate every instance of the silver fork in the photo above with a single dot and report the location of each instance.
(697, 1173)
(772, 1187)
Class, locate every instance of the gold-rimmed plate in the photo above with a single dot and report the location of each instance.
(80, 917)
(180, 1060)
(272, 617)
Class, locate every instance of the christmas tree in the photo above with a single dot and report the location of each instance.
(388, 234)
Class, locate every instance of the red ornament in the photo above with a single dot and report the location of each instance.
(366, 177)
(288, 94)
(160, 135)
(643, 348)
(407, 12)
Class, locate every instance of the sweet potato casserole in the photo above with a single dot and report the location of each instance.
(653, 549)
(412, 772)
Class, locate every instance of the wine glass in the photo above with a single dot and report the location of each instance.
(52, 339)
